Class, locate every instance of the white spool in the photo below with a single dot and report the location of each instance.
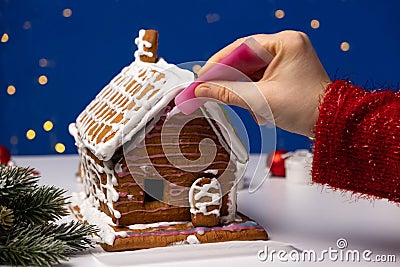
(298, 167)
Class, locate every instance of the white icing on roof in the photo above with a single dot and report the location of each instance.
(116, 114)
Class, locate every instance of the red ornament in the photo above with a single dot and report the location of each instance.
(5, 155)
(276, 161)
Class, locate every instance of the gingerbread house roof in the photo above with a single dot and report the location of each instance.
(137, 94)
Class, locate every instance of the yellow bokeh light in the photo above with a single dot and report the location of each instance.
(43, 62)
(30, 134)
(67, 12)
(42, 80)
(48, 126)
(4, 38)
(314, 24)
(11, 90)
(59, 147)
(279, 14)
(345, 46)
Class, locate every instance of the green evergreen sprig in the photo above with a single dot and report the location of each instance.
(28, 234)
(29, 244)
(16, 180)
(46, 203)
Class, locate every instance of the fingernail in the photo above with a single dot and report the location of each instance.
(202, 91)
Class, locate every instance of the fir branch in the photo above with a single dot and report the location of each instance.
(44, 244)
(75, 234)
(43, 204)
(27, 236)
(31, 245)
(16, 180)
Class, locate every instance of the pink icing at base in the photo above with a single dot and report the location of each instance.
(122, 194)
(231, 227)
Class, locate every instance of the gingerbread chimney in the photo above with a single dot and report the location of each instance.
(147, 45)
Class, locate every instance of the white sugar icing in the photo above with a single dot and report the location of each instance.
(150, 225)
(93, 185)
(212, 171)
(95, 217)
(203, 191)
(192, 239)
(162, 82)
(141, 44)
(200, 231)
(104, 222)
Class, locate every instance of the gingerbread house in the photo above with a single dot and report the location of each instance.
(153, 180)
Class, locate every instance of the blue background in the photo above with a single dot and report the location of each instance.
(86, 50)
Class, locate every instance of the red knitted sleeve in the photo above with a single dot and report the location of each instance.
(357, 141)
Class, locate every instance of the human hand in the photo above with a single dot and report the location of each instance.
(293, 84)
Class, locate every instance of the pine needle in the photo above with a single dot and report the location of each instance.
(43, 204)
(31, 245)
(75, 234)
(28, 235)
(16, 180)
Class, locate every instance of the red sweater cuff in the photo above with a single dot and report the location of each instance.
(357, 141)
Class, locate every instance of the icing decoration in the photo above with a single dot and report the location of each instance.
(93, 216)
(93, 186)
(212, 171)
(140, 45)
(200, 231)
(199, 206)
(192, 239)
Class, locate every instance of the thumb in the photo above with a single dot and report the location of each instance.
(242, 94)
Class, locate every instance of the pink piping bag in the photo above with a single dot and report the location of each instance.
(242, 62)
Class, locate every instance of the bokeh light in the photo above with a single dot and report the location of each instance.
(4, 38)
(11, 90)
(67, 12)
(27, 25)
(59, 147)
(42, 80)
(13, 140)
(345, 46)
(30, 134)
(214, 17)
(48, 126)
(43, 62)
(279, 14)
(314, 24)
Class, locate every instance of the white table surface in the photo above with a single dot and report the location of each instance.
(304, 216)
